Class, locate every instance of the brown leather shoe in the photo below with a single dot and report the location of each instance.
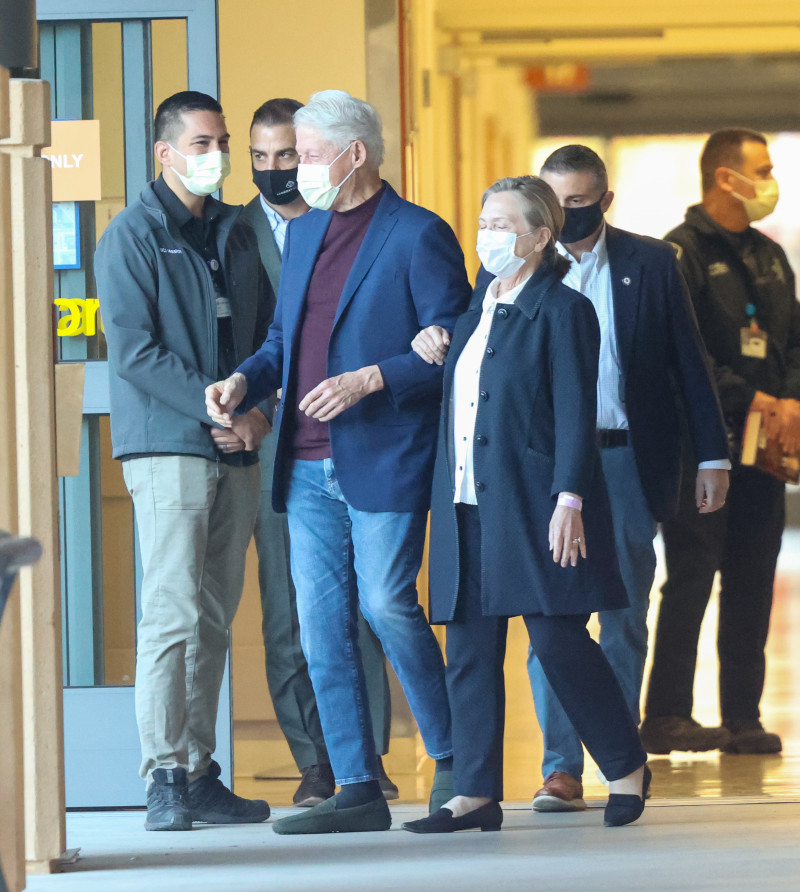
(561, 792)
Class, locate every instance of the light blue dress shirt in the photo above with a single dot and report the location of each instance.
(277, 224)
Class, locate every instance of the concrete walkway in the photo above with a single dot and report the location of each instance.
(673, 848)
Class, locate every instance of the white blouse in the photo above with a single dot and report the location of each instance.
(466, 392)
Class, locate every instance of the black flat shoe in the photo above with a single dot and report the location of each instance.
(624, 808)
(487, 817)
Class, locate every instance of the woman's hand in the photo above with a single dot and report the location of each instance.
(432, 344)
(567, 540)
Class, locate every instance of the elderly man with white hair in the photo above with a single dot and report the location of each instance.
(363, 273)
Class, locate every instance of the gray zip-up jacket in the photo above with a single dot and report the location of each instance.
(158, 307)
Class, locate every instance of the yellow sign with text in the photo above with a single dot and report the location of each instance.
(74, 158)
(80, 316)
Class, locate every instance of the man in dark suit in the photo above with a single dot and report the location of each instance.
(274, 159)
(650, 353)
(356, 439)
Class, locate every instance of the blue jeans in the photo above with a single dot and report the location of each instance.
(342, 558)
(623, 633)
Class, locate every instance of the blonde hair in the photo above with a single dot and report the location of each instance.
(540, 207)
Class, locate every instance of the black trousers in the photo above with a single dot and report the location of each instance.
(742, 541)
(574, 665)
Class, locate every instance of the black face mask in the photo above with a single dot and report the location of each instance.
(580, 223)
(277, 186)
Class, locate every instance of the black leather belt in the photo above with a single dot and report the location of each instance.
(608, 439)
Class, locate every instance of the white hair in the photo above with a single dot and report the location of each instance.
(341, 118)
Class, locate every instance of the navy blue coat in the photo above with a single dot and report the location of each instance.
(408, 274)
(534, 438)
(665, 369)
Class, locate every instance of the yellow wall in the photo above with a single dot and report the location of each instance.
(283, 49)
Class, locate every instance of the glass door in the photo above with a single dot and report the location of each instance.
(105, 62)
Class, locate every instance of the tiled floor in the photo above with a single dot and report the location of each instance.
(724, 847)
(715, 822)
(680, 777)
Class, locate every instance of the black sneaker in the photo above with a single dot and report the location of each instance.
(661, 735)
(211, 802)
(388, 788)
(751, 738)
(316, 786)
(167, 801)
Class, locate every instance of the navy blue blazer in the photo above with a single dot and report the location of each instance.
(534, 438)
(665, 370)
(408, 274)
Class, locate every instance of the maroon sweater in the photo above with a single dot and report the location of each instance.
(338, 252)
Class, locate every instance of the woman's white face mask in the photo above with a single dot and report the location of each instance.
(496, 251)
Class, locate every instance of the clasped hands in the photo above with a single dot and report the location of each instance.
(239, 432)
(327, 400)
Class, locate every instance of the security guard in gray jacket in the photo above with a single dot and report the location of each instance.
(744, 295)
(184, 301)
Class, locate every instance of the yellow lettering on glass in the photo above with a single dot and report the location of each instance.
(80, 316)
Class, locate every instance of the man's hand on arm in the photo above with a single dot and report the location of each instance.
(432, 344)
(251, 428)
(333, 395)
(710, 489)
(223, 397)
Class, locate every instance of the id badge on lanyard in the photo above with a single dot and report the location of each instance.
(754, 340)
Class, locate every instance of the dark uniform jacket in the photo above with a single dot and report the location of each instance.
(534, 438)
(725, 272)
(159, 311)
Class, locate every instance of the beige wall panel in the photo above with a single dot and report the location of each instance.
(108, 109)
(271, 49)
(613, 15)
(4, 122)
(69, 415)
(40, 593)
(12, 814)
(383, 82)
(119, 609)
(170, 62)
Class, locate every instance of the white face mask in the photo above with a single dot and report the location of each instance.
(204, 173)
(765, 199)
(496, 252)
(314, 183)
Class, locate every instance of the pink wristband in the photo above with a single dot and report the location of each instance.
(570, 501)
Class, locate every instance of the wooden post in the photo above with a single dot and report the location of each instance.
(12, 813)
(37, 484)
